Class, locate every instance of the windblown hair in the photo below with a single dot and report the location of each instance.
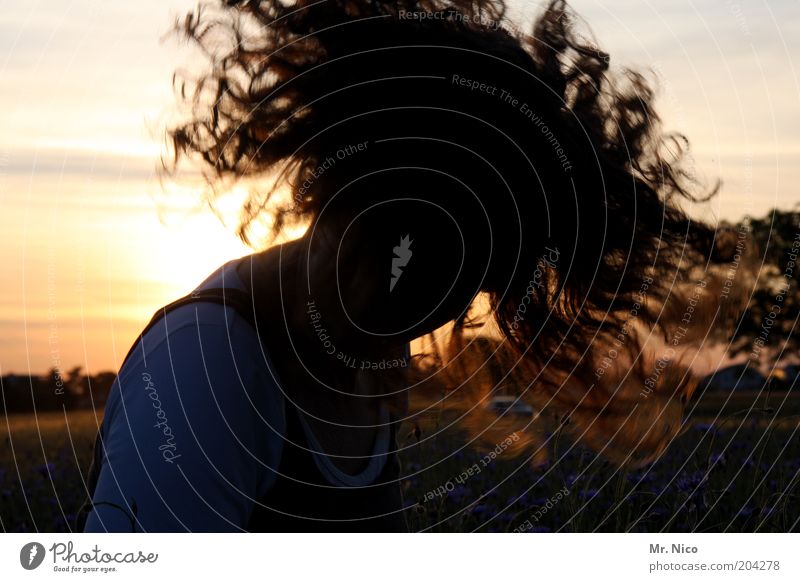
(556, 171)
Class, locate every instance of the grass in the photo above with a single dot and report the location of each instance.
(735, 467)
(43, 461)
(739, 473)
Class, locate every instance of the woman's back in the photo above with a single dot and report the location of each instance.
(198, 431)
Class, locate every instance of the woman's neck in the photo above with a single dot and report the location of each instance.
(273, 277)
(333, 403)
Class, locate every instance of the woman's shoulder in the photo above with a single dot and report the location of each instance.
(196, 312)
(195, 411)
(207, 355)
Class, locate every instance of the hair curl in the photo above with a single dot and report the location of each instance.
(591, 176)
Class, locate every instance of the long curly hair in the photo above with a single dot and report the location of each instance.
(555, 169)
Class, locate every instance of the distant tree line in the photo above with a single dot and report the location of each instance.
(766, 330)
(55, 390)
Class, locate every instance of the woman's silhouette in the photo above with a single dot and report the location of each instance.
(436, 155)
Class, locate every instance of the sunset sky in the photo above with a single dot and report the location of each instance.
(92, 245)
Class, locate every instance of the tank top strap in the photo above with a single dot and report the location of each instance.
(241, 301)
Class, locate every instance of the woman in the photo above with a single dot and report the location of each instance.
(436, 156)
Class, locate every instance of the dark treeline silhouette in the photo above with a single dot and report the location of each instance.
(55, 390)
(766, 330)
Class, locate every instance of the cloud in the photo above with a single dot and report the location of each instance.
(84, 164)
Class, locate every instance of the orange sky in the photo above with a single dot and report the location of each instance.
(91, 246)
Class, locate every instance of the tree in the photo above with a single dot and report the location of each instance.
(767, 327)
